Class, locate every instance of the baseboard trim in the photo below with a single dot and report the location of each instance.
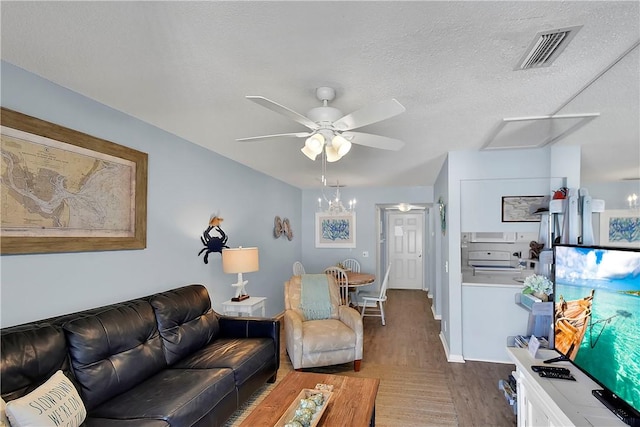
(453, 358)
(435, 316)
(504, 362)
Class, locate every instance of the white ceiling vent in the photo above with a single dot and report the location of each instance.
(545, 47)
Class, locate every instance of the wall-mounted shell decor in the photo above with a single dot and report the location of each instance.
(282, 227)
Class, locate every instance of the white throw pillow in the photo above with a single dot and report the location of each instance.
(54, 403)
(3, 414)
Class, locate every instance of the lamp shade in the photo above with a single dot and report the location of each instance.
(309, 153)
(341, 144)
(332, 154)
(314, 143)
(240, 260)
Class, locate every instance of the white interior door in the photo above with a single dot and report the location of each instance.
(404, 249)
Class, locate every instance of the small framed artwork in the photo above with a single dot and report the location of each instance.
(521, 208)
(335, 230)
(620, 228)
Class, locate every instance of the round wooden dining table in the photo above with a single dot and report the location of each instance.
(359, 279)
(355, 280)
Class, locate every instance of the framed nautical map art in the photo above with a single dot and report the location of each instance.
(335, 230)
(65, 191)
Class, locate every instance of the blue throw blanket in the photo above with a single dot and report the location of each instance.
(315, 300)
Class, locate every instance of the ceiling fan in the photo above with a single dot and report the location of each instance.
(331, 129)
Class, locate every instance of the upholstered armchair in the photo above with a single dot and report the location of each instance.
(310, 343)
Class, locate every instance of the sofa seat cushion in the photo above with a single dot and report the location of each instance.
(108, 422)
(181, 397)
(326, 335)
(246, 356)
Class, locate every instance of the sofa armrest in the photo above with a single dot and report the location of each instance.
(293, 336)
(251, 327)
(353, 319)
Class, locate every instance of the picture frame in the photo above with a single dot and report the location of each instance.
(67, 191)
(521, 208)
(620, 228)
(335, 230)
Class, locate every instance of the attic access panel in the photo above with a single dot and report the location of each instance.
(534, 132)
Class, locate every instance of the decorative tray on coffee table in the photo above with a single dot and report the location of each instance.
(303, 406)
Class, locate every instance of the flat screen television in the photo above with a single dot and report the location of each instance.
(597, 320)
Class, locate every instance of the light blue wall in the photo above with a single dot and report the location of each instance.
(501, 168)
(186, 183)
(317, 259)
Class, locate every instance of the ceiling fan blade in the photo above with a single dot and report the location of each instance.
(369, 114)
(281, 109)
(374, 141)
(280, 135)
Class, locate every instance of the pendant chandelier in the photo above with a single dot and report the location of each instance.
(334, 205)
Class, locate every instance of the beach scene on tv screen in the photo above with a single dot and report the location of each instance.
(597, 315)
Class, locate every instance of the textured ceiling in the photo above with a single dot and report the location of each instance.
(186, 66)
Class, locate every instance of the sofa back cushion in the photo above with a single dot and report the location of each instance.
(293, 296)
(113, 348)
(30, 354)
(185, 319)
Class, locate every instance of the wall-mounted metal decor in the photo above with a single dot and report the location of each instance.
(442, 207)
(66, 191)
(213, 243)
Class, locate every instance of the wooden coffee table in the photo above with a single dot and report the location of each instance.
(352, 403)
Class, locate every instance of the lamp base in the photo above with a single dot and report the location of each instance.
(240, 298)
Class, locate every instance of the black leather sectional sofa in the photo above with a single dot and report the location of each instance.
(163, 360)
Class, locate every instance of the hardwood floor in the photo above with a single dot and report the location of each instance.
(411, 338)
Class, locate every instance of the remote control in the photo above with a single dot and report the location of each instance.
(556, 375)
(550, 369)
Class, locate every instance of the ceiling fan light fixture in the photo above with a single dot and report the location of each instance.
(404, 207)
(315, 143)
(309, 153)
(332, 154)
(341, 144)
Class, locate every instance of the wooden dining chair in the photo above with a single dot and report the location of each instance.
(351, 264)
(340, 276)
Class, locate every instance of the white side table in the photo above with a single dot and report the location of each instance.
(247, 306)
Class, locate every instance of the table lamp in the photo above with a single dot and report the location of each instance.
(240, 260)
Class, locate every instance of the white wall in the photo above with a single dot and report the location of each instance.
(186, 183)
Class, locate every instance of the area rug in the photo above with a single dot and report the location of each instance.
(406, 396)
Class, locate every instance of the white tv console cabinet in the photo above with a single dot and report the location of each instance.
(553, 402)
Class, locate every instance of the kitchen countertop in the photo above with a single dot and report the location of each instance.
(507, 278)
